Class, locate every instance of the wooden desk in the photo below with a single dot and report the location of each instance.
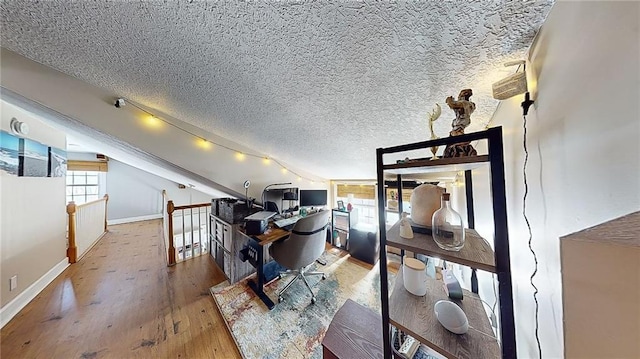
(258, 247)
(271, 235)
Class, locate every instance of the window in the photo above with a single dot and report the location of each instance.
(363, 197)
(83, 186)
(392, 202)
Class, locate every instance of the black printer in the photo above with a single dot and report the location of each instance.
(258, 222)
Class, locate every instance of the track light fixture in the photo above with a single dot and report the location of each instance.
(240, 156)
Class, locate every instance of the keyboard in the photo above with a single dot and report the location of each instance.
(287, 223)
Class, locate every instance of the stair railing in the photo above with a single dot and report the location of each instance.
(187, 231)
(87, 224)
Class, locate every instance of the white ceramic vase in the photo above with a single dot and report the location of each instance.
(425, 199)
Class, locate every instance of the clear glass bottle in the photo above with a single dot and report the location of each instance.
(447, 227)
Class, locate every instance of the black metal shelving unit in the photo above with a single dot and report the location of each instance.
(438, 338)
(342, 221)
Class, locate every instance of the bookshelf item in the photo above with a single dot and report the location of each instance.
(414, 315)
(425, 200)
(433, 116)
(451, 317)
(476, 253)
(341, 223)
(447, 227)
(414, 276)
(405, 227)
(409, 347)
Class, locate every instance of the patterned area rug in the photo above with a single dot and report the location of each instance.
(295, 327)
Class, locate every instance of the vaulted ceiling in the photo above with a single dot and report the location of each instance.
(317, 84)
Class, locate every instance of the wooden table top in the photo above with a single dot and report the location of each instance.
(271, 235)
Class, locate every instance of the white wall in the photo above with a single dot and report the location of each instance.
(93, 106)
(584, 157)
(32, 215)
(135, 193)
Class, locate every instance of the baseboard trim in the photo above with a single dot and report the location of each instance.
(15, 306)
(91, 246)
(133, 219)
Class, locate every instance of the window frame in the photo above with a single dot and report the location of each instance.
(86, 196)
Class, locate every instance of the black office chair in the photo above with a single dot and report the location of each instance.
(271, 207)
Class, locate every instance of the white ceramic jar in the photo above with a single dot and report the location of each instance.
(414, 275)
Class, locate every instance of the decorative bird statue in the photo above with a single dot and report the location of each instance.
(433, 116)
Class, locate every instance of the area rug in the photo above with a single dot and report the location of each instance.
(295, 328)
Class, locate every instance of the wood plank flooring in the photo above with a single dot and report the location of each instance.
(122, 301)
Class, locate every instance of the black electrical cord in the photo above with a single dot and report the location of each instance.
(524, 213)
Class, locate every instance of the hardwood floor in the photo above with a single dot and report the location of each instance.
(122, 301)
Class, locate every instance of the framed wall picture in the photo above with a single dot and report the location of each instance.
(341, 205)
(9, 147)
(57, 162)
(34, 159)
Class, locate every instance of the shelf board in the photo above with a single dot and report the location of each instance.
(415, 316)
(476, 252)
(439, 165)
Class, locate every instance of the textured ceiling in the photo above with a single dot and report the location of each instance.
(319, 85)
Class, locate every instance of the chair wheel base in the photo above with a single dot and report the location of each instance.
(313, 300)
(280, 299)
(324, 277)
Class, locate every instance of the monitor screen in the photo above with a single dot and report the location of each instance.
(313, 197)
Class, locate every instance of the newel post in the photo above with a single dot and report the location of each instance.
(172, 249)
(106, 201)
(72, 251)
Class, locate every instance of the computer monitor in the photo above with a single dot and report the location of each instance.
(313, 197)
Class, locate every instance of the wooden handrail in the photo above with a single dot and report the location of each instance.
(172, 248)
(72, 209)
(192, 206)
(72, 251)
(93, 202)
(171, 208)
